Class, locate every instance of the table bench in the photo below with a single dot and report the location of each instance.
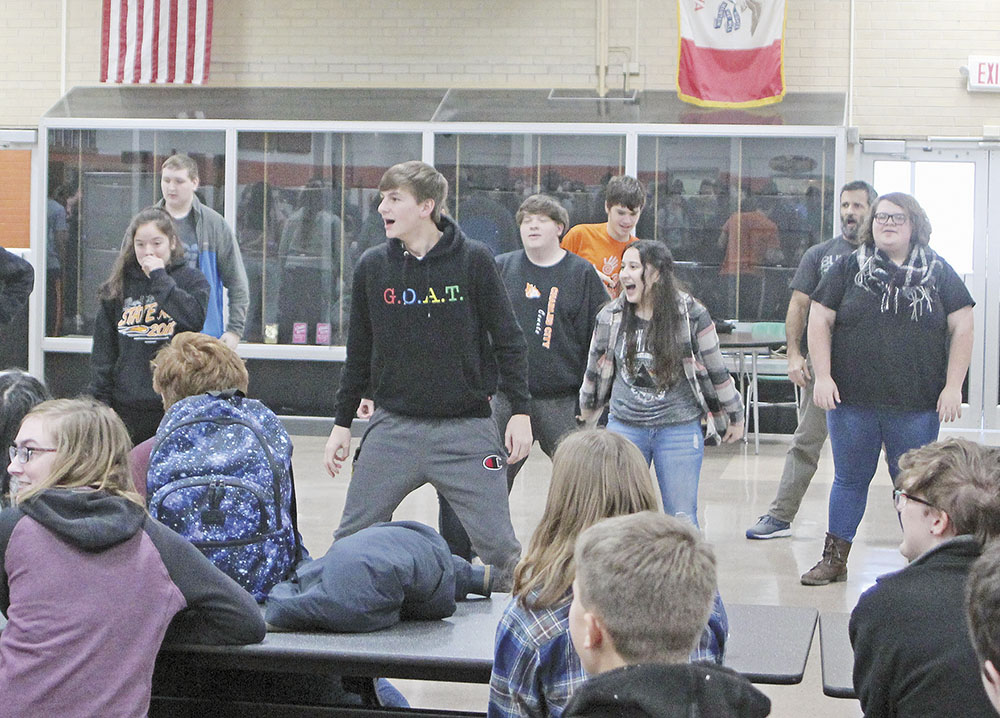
(769, 644)
(460, 649)
(837, 656)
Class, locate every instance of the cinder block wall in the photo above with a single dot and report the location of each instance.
(907, 59)
(29, 59)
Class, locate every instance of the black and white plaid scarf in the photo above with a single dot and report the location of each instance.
(914, 280)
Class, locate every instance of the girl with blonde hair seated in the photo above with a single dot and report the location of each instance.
(89, 583)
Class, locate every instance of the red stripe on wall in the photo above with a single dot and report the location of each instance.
(208, 38)
(154, 55)
(729, 75)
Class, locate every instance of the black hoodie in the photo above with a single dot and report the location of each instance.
(16, 280)
(430, 337)
(128, 332)
(661, 690)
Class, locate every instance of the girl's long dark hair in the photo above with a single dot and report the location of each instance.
(661, 337)
(113, 287)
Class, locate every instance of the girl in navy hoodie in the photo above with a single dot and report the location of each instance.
(151, 295)
(89, 583)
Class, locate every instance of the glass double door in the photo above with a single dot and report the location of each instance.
(959, 188)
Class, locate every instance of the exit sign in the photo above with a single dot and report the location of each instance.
(984, 73)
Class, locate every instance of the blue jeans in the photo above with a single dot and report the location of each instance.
(676, 451)
(856, 436)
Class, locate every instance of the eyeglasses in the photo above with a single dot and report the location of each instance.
(23, 454)
(884, 217)
(900, 497)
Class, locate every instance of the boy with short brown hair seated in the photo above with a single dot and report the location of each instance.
(191, 364)
(643, 591)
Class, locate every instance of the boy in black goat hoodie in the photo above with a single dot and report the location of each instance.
(643, 591)
(431, 333)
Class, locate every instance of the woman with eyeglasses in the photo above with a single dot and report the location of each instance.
(890, 335)
(89, 583)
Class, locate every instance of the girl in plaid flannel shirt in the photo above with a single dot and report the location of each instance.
(595, 475)
(655, 358)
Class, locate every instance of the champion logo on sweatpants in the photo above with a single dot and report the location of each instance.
(493, 462)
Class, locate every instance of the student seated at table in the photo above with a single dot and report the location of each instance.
(912, 652)
(643, 591)
(19, 393)
(596, 474)
(982, 605)
(90, 584)
(192, 364)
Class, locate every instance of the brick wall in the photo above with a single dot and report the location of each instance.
(29, 59)
(907, 56)
(907, 63)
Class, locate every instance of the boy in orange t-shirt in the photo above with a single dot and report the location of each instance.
(603, 244)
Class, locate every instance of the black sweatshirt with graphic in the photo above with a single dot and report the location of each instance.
(432, 337)
(129, 331)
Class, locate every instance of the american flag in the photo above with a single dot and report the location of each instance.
(156, 41)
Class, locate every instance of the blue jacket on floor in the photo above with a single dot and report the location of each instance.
(369, 580)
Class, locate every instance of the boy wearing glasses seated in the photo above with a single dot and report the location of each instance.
(912, 652)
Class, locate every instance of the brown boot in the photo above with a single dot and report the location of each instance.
(833, 565)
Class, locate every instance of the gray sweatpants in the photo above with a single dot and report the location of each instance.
(462, 458)
(551, 420)
(802, 457)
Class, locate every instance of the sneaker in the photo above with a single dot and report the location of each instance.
(768, 527)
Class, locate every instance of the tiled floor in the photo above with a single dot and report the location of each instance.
(736, 487)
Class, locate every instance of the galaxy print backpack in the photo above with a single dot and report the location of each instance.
(220, 475)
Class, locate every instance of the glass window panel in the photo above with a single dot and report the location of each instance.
(892, 176)
(947, 192)
(490, 175)
(738, 213)
(688, 185)
(306, 211)
(97, 180)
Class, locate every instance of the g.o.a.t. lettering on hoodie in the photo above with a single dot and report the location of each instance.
(408, 296)
(143, 320)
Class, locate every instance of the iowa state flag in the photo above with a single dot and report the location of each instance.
(731, 52)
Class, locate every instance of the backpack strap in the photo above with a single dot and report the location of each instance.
(227, 394)
(293, 510)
